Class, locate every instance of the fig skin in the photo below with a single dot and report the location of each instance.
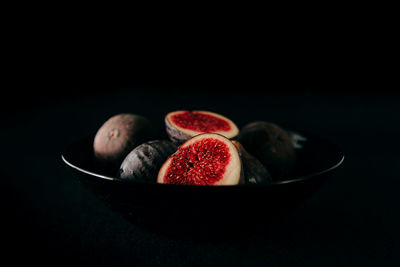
(254, 171)
(271, 145)
(143, 162)
(119, 135)
(179, 135)
(176, 136)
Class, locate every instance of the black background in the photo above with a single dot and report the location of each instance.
(347, 95)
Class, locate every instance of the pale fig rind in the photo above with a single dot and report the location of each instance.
(143, 162)
(179, 134)
(233, 173)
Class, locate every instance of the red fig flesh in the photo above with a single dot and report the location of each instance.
(182, 125)
(206, 159)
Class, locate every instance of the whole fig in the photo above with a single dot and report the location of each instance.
(143, 163)
(254, 170)
(119, 135)
(271, 145)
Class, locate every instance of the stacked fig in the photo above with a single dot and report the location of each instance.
(204, 148)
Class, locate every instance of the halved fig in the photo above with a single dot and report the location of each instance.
(182, 125)
(254, 171)
(206, 159)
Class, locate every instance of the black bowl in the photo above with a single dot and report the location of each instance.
(203, 210)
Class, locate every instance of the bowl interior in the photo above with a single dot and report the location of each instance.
(314, 156)
(176, 207)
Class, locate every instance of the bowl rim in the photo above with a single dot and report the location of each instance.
(289, 181)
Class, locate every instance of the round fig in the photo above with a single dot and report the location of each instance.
(206, 159)
(182, 125)
(144, 161)
(254, 171)
(271, 145)
(119, 135)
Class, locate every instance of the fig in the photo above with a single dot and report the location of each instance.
(119, 135)
(144, 161)
(271, 145)
(206, 159)
(254, 171)
(182, 125)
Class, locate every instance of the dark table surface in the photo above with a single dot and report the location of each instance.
(352, 220)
